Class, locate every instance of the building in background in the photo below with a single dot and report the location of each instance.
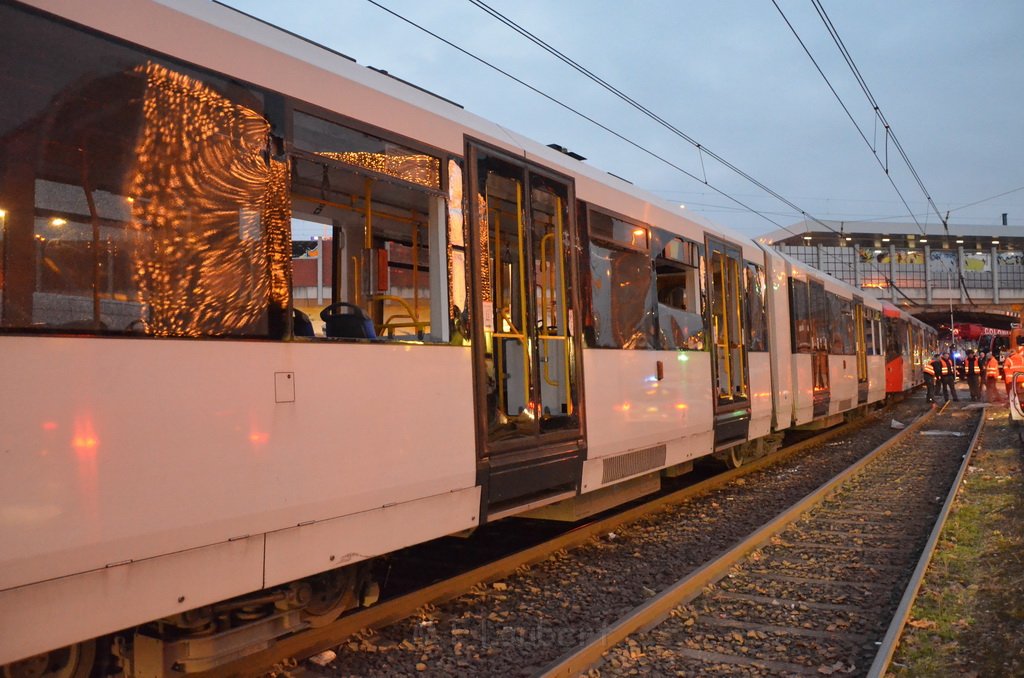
(970, 274)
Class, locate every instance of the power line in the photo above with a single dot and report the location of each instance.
(669, 126)
(701, 149)
(874, 152)
(618, 135)
(569, 108)
(991, 197)
(874, 103)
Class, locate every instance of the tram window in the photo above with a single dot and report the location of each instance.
(799, 297)
(458, 281)
(138, 195)
(757, 312)
(388, 276)
(680, 295)
(872, 331)
(894, 330)
(821, 326)
(621, 283)
(841, 325)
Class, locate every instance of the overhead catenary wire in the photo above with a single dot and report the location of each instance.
(874, 152)
(700, 148)
(880, 116)
(575, 111)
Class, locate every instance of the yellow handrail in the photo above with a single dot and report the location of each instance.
(416, 269)
(368, 216)
(719, 258)
(544, 282)
(358, 210)
(563, 310)
(524, 319)
(499, 304)
(420, 326)
(356, 293)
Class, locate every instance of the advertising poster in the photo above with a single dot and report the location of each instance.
(943, 263)
(976, 263)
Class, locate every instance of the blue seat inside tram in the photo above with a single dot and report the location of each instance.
(348, 321)
(302, 326)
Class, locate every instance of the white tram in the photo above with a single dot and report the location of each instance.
(198, 459)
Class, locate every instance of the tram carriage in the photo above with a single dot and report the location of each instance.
(837, 345)
(191, 448)
(909, 344)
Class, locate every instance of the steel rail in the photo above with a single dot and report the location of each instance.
(658, 608)
(892, 636)
(309, 642)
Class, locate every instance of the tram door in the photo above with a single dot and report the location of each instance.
(821, 340)
(526, 349)
(729, 353)
(860, 339)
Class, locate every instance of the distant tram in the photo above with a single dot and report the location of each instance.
(197, 459)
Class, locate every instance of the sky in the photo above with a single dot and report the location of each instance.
(730, 74)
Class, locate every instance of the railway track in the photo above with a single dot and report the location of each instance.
(419, 632)
(823, 589)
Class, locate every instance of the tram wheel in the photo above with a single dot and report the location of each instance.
(73, 661)
(333, 593)
(736, 457)
(741, 454)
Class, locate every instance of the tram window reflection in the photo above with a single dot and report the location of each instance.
(139, 194)
(680, 294)
(622, 286)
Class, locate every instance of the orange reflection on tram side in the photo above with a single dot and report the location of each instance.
(86, 444)
(624, 407)
(259, 438)
(49, 426)
(85, 441)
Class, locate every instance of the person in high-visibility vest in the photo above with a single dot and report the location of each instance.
(1014, 362)
(972, 370)
(929, 377)
(947, 377)
(991, 377)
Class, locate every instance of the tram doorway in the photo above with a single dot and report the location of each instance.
(729, 352)
(525, 344)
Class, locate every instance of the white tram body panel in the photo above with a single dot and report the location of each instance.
(803, 401)
(843, 383)
(191, 446)
(782, 369)
(760, 394)
(876, 378)
(629, 409)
